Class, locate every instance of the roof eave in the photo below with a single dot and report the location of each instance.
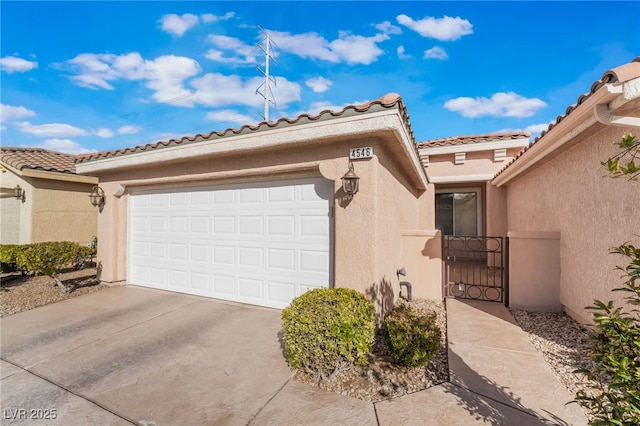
(285, 137)
(581, 119)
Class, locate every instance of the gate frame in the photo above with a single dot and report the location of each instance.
(463, 265)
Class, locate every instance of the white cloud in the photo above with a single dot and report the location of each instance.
(129, 130)
(355, 49)
(178, 25)
(319, 84)
(231, 116)
(64, 145)
(12, 64)
(537, 128)
(436, 53)
(52, 130)
(97, 70)
(352, 49)
(443, 29)
(388, 28)
(10, 113)
(402, 54)
(104, 132)
(165, 74)
(501, 104)
(242, 53)
(216, 90)
(317, 107)
(210, 17)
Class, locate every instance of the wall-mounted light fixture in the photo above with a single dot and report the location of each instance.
(97, 197)
(350, 181)
(19, 193)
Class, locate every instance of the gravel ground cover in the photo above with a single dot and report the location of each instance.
(20, 293)
(564, 343)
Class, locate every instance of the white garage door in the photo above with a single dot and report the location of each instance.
(262, 244)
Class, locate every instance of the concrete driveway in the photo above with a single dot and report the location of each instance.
(131, 355)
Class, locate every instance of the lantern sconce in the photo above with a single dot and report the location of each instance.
(97, 197)
(19, 193)
(350, 182)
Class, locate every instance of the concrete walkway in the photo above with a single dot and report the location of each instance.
(497, 377)
(131, 355)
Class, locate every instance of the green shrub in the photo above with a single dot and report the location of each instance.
(413, 338)
(8, 253)
(48, 258)
(616, 400)
(328, 330)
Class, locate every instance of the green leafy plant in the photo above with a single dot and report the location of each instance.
(623, 164)
(615, 399)
(328, 330)
(8, 253)
(413, 337)
(48, 258)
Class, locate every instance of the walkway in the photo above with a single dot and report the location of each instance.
(497, 377)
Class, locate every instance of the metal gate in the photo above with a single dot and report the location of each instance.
(476, 268)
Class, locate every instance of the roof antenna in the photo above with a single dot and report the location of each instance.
(266, 46)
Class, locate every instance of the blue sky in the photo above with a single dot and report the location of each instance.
(90, 76)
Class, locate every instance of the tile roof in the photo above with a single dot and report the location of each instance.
(620, 74)
(461, 140)
(38, 159)
(390, 100)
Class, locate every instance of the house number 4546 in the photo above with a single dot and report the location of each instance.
(357, 153)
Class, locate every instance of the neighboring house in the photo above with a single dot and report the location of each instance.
(259, 214)
(43, 199)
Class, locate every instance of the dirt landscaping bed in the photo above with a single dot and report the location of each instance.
(20, 293)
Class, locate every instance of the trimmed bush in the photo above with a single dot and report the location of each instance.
(327, 330)
(8, 253)
(413, 338)
(48, 258)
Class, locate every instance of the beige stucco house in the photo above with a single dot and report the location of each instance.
(259, 214)
(43, 199)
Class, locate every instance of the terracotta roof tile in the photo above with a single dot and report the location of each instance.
(619, 74)
(38, 159)
(389, 100)
(461, 140)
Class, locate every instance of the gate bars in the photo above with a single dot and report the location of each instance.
(476, 267)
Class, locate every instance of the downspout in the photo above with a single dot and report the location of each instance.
(630, 90)
(603, 115)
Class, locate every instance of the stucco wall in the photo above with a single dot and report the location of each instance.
(496, 211)
(368, 244)
(476, 163)
(572, 195)
(62, 211)
(15, 214)
(52, 211)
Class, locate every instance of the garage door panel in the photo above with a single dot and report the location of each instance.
(224, 225)
(314, 226)
(261, 243)
(251, 225)
(281, 226)
(178, 252)
(199, 198)
(251, 257)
